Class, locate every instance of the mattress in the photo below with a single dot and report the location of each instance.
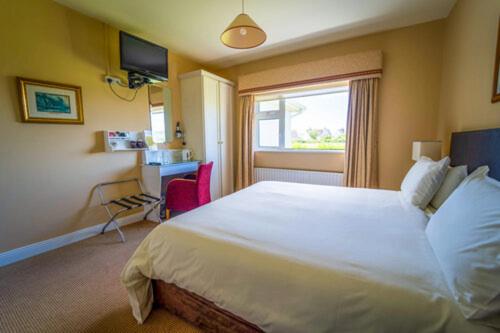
(303, 258)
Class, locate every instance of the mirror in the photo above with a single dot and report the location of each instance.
(160, 113)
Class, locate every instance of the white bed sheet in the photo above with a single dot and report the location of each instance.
(303, 258)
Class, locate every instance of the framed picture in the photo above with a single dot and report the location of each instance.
(49, 102)
(496, 81)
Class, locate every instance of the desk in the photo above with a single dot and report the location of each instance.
(156, 177)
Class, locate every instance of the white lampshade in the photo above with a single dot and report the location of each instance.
(243, 33)
(430, 149)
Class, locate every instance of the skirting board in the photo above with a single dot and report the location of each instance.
(24, 252)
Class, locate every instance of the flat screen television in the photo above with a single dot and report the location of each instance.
(140, 56)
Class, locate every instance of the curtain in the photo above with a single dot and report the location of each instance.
(361, 157)
(245, 163)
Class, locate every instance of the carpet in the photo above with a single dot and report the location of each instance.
(77, 289)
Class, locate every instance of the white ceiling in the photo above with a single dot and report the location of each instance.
(193, 27)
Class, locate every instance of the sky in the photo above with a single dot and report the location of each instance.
(329, 110)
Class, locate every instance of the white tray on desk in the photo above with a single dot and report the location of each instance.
(173, 168)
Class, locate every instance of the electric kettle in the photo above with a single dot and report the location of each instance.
(187, 154)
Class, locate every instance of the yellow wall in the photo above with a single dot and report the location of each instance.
(47, 171)
(316, 161)
(177, 65)
(468, 68)
(409, 96)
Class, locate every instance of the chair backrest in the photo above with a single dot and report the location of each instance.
(203, 182)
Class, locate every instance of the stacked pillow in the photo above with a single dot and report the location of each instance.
(423, 181)
(465, 236)
(464, 232)
(454, 176)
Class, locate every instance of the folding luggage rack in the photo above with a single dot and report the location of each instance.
(126, 203)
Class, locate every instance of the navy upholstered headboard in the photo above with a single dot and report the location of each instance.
(476, 148)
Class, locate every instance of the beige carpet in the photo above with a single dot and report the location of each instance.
(77, 289)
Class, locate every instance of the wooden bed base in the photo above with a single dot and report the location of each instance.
(199, 311)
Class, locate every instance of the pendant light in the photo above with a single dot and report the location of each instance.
(243, 32)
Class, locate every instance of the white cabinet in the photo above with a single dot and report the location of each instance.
(207, 108)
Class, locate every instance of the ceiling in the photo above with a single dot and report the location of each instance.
(193, 27)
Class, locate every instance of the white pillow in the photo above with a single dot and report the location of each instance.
(465, 236)
(454, 176)
(423, 180)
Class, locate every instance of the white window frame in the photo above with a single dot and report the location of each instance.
(270, 115)
(281, 114)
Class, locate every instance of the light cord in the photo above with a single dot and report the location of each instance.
(124, 98)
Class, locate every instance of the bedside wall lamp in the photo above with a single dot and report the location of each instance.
(430, 149)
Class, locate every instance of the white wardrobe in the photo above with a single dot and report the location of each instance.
(207, 108)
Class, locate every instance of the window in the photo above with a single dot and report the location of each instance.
(305, 120)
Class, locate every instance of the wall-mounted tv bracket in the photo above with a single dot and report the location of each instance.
(136, 80)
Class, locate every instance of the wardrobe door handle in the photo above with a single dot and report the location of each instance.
(220, 142)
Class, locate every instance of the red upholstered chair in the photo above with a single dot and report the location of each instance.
(187, 194)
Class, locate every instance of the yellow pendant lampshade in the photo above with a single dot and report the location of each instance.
(243, 33)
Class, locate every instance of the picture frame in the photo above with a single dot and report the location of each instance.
(49, 102)
(496, 81)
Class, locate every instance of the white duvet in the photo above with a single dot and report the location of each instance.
(303, 258)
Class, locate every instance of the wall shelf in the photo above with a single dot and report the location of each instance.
(130, 149)
(115, 141)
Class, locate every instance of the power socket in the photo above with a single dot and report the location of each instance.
(112, 79)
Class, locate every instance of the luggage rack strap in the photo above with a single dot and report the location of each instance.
(142, 200)
(136, 204)
(116, 202)
(150, 196)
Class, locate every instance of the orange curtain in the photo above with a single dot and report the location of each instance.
(361, 156)
(245, 161)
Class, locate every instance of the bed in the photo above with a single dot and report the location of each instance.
(283, 257)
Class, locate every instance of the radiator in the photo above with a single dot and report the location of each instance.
(299, 176)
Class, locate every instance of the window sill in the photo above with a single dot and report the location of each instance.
(300, 151)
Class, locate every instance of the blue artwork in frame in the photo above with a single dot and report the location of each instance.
(47, 102)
